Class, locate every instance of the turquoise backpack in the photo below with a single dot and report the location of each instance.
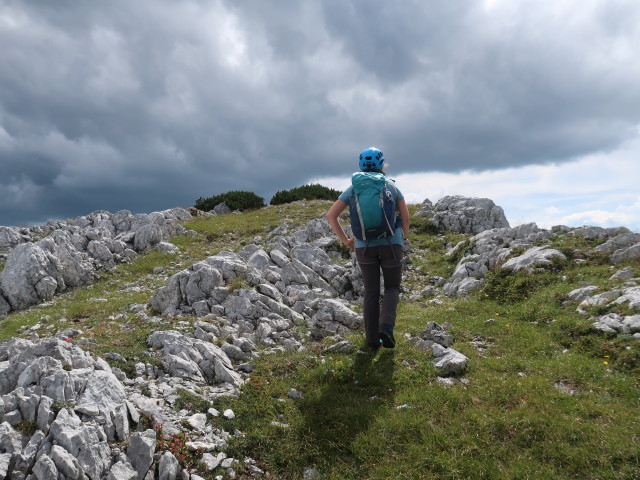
(372, 206)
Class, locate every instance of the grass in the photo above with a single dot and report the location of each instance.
(510, 421)
(386, 415)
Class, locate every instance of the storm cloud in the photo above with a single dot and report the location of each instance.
(151, 104)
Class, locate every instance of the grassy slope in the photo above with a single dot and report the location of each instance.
(386, 416)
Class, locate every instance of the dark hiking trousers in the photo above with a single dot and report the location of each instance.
(378, 316)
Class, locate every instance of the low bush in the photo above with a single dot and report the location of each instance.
(504, 286)
(423, 226)
(235, 200)
(305, 192)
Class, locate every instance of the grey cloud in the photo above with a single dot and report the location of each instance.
(151, 104)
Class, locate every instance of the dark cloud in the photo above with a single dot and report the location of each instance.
(150, 104)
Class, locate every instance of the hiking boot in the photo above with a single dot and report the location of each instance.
(386, 337)
(368, 348)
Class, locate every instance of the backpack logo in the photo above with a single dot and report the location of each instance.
(372, 206)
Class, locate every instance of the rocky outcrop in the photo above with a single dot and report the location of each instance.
(447, 361)
(70, 256)
(495, 249)
(489, 248)
(83, 412)
(533, 257)
(10, 237)
(265, 290)
(76, 404)
(464, 215)
(623, 246)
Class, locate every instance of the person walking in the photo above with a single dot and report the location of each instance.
(382, 251)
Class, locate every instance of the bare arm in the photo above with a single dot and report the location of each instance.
(332, 217)
(404, 215)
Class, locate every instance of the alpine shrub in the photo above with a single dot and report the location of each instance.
(504, 286)
(235, 200)
(306, 192)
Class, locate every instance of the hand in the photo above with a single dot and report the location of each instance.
(351, 243)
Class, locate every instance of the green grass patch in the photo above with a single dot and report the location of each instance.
(188, 401)
(385, 416)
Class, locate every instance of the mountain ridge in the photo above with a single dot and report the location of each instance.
(228, 320)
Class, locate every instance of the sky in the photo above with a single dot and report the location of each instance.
(152, 104)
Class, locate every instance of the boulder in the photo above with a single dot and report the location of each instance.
(467, 215)
(426, 209)
(195, 359)
(66, 463)
(487, 250)
(625, 255)
(9, 238)
(167, 248)
(447, 361)
(168, 467)
(122, 471)
(5, 460)
(630, 296)
(619, 242)
(30, 276)
(142, 445)
(598, 233)
(533, 257)
(221, 209)
(626, 273)
(45, 469)
(84, 441)
(147, 236)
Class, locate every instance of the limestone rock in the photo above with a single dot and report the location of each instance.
(86, 442)
(45, 469)
(168, 467)
(71, 254)
(30, 276)
(344, 346)
(599, 233)
(142, 445)
(185, 356)
(5, 459)
(9, 238)
(122, 471)
(533, 257)
(487, 250)
(221, 209)
(66, 463)
(147, 236)
(426, 209)
(448, 361)
(626, 255)
(626, 273)
(467, 215)
(618, 242)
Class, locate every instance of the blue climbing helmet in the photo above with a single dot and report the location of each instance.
(371, 159)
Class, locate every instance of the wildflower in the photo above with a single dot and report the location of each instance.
(497, 314)
(606, 363)
(508, 325)
(68, 339)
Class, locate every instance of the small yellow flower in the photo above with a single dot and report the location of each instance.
(606, 356)
(508, 325)
(497, 314)
(606, 363)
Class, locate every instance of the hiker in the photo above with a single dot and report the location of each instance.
(375, 250)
